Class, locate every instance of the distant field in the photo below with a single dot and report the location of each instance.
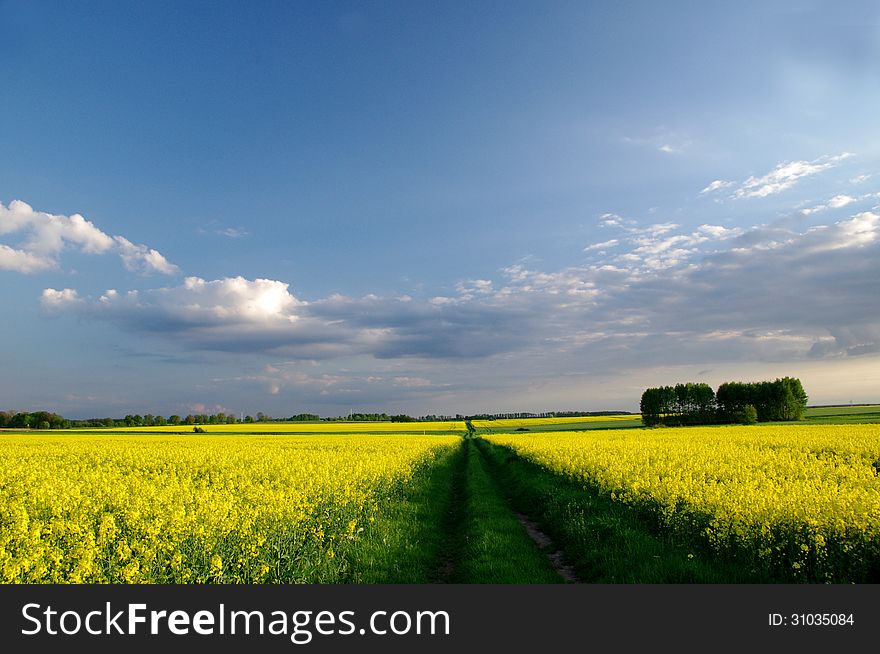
(340, 427)
(864, 413)
(855, 414)
(557, 424)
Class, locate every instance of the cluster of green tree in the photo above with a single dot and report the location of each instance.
(682, 404)
(34, 420)
(150, 420)
(47, 420)
(783, 399)
(735, 402)
(304, 417)
(374, 417)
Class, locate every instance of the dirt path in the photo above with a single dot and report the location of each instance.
(478, 537)
(545, 543)
(555, 555)
(452, 526)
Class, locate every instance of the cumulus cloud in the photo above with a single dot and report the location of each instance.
(44, 236)
(22, 261)
(212, 308)
(236, 314)
(839, 201)
(786, 175)
(60, 300)
(140, 258)
(701, 294)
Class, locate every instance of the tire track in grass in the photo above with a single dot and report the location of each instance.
(495, 546)
(556, 556)
(451, 524)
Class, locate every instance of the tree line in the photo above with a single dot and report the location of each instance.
(33, 420)
(545, 414)
(50, 420)
(733, 402)
(375, 417)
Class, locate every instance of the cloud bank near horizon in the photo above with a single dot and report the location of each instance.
(647, 295)
(770, 292)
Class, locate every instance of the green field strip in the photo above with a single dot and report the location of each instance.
(207, 431)
(867, 413)
(566, 426)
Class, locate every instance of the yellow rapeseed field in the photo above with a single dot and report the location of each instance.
(803, 501)
(323, 427)
(103, 508)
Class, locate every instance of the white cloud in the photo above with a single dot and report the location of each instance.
(229, 314)
(716, 185)
(786, 175)
(233, 301)
(23, 262)
(860, 179)
(466, 290)
(719, 232)
(46, 235)
(140, 258)
(669, 296)
(655, 294)
(59, 300)
(604, 245)
(612, 220)
(658, 229)
(859, 231)
(839, 201)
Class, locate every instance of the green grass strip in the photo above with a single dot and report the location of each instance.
(495, 548)
(409, 543)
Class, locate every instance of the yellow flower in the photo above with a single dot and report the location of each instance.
(111, 507)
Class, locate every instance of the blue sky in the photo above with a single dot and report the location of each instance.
(434, 207)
